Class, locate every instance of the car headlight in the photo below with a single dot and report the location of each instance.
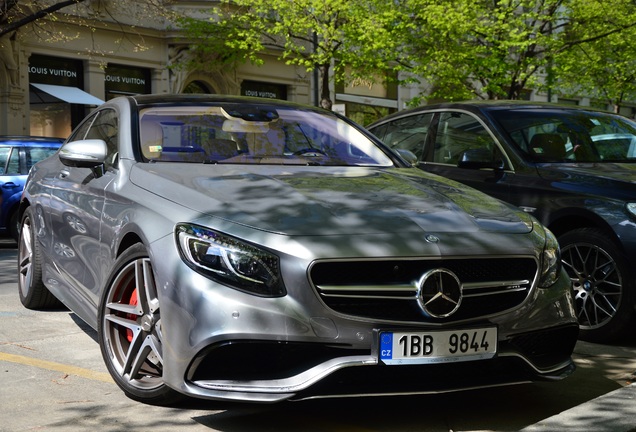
(631, 208)
(550, 260)
(230, 261)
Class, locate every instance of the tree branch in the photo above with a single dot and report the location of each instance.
(36, 16)
(5, 7)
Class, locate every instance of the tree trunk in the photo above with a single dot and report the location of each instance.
(325, 94)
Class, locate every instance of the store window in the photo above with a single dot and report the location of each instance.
(122, 80)
(51, 119)
(57, 102)
(264, 90)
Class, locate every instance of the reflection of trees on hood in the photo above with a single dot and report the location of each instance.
(390, 189)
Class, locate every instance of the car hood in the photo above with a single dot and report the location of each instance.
(611, 180)
(329, 200)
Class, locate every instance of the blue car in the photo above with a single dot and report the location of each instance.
(17, 156)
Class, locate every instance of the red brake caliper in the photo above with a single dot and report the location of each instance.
(133, 302)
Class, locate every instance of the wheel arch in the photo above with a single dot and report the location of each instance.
(12, 221)
(572, 219)
(22, 206)
(128, 241)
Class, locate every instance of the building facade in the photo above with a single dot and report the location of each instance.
(47, 87)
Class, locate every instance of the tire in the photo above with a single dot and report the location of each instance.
(33, 293)
(129, 330)
(12, 228)
(602, 282)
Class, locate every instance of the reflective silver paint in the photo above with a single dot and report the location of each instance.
(303, 214)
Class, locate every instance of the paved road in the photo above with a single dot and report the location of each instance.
(52, 379)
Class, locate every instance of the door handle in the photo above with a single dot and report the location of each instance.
(64, 173)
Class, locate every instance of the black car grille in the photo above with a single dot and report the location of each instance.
(388, 289)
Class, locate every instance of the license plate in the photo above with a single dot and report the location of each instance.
(437, 346)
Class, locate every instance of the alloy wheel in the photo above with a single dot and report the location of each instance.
(131, 326)
(597, 283)
(25, 258)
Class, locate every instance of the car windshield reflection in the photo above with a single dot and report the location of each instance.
(234, 134)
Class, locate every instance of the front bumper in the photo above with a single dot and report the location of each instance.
(259, 371)
(220, 343)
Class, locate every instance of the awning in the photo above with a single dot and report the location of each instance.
(72, 95)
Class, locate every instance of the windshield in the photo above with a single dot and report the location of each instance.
(254, 134)
(570, 136)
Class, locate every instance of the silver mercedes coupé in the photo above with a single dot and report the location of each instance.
(257, 250)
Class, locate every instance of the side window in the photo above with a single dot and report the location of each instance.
(380, 131)
(80, 132)
(458, 132)
(105, 127)
(36, 154)
(13, 167)
(408, 133)
(4, 158)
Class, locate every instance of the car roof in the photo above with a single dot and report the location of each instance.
(24, 140)
(510, 104)
(159, 99)
(493, 105)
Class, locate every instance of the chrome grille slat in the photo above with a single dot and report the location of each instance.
(367, 297)
(361, 291)
(341, 288)
(478, 285)
(495, 292)
(494, 288)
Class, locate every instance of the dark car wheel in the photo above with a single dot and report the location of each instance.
(33, 293)
(13, 228)
(601, 281)
(129, 330)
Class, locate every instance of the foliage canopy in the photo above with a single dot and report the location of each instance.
(456, 49)
(453, 49)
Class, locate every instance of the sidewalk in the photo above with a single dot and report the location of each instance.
(612, 412)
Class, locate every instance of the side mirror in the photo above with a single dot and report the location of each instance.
(478, 159)
(89, 153)
(407, 155)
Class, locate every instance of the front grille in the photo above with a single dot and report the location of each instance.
(545, 348)
(388, 289)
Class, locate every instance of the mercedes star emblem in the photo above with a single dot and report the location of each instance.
(440, 293)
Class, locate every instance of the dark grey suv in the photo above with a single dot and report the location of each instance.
(573, 168)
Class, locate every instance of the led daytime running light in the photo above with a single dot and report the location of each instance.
(230, 261)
